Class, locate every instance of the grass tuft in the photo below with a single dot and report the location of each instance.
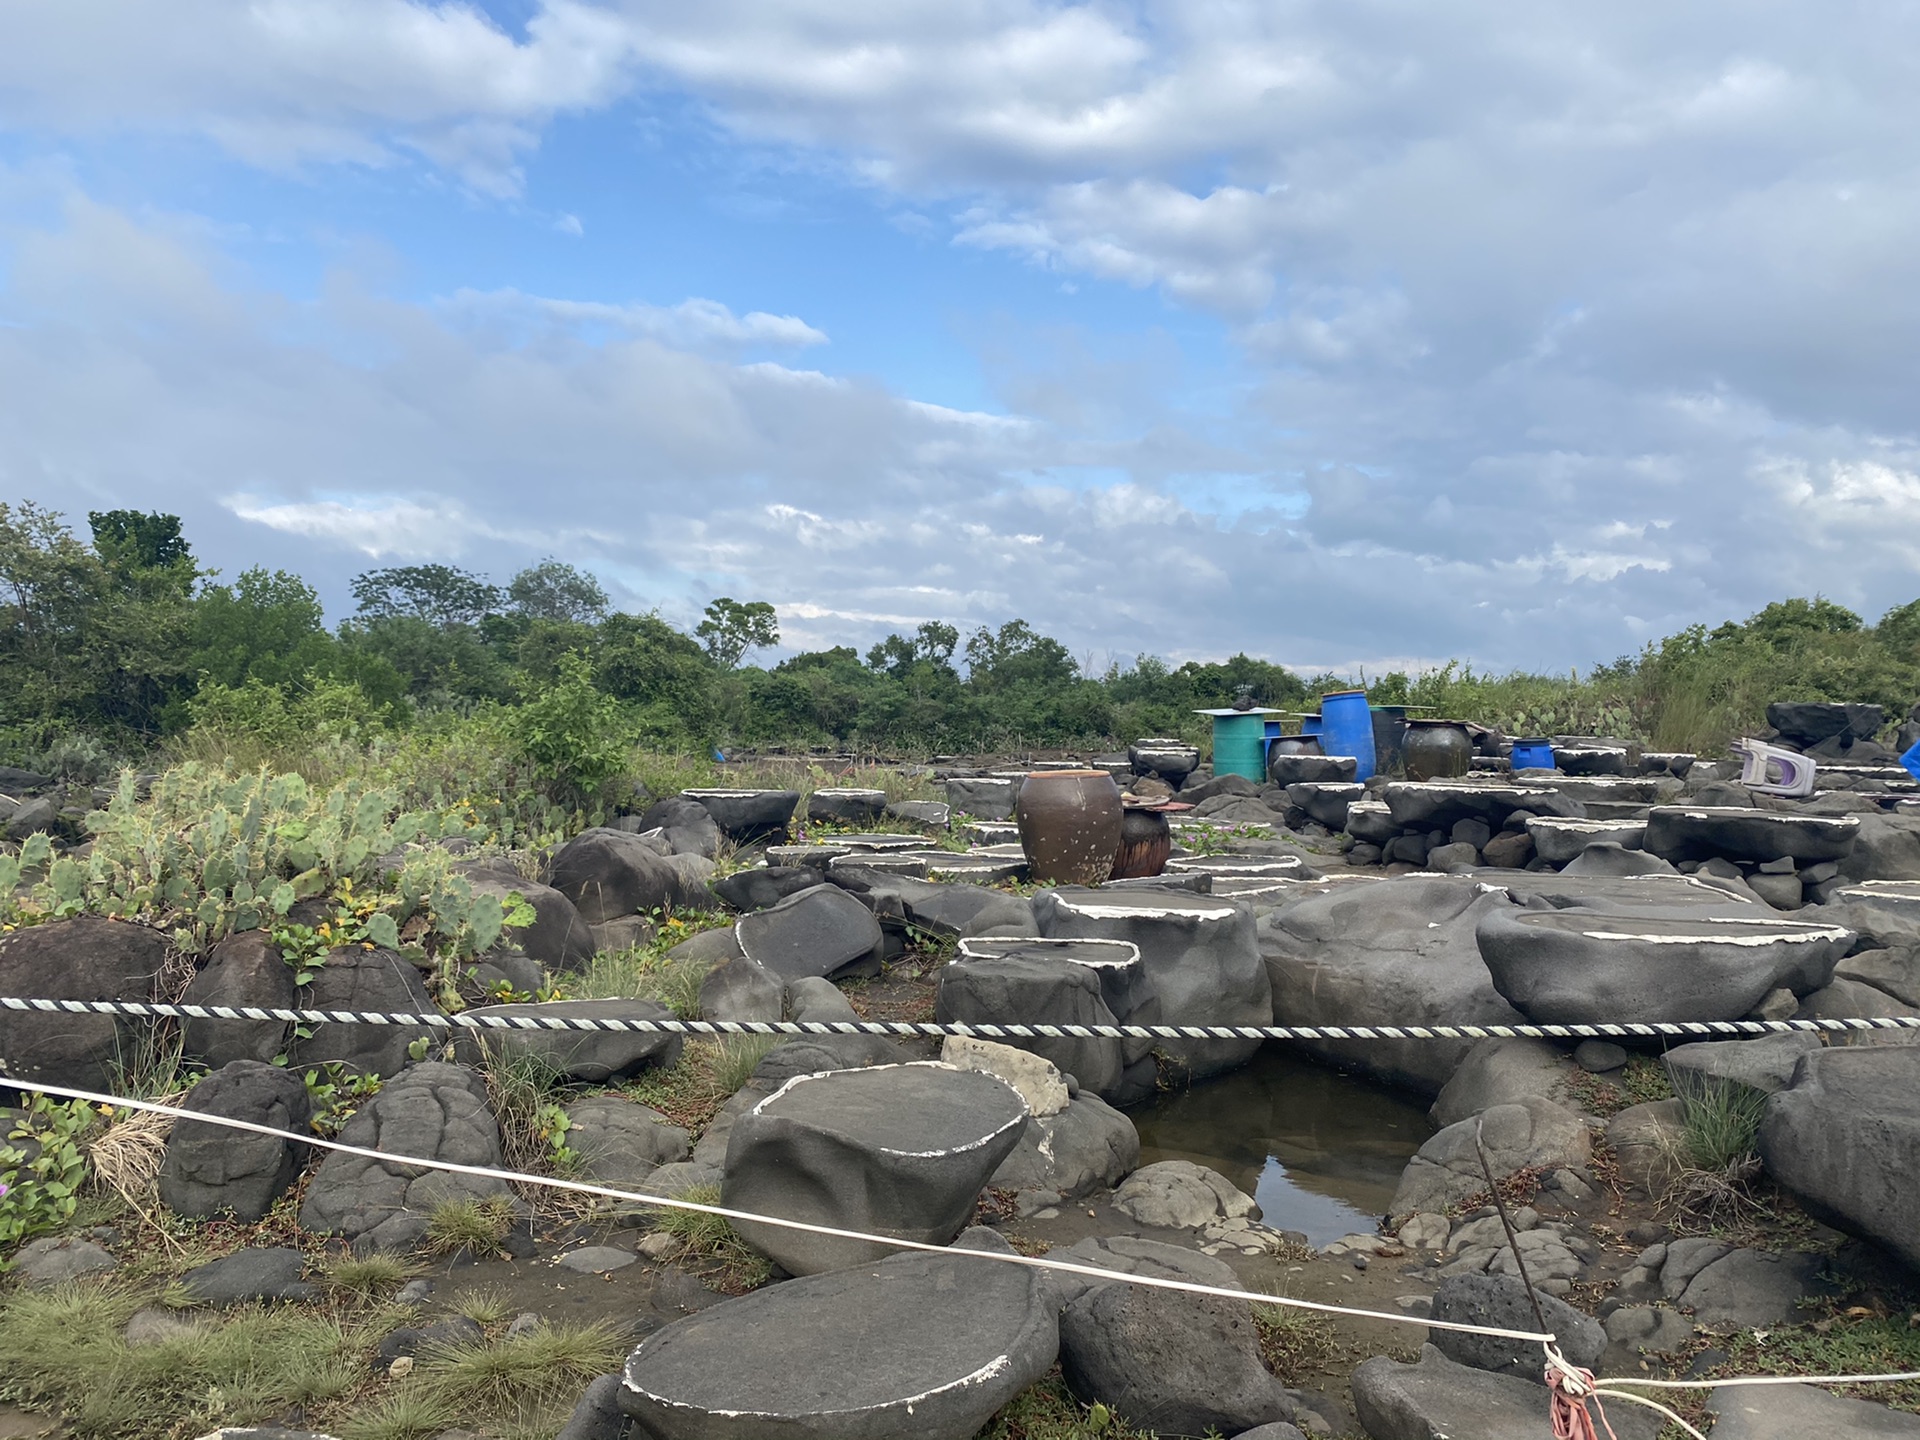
(366, 1277)
(477, 1226)
(1722, 1126)
(484, 1304)
(1047, 1410)
(712, 1244)
(1295, 1344)
(65, 1349)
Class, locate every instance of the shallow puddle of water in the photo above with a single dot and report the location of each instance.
(1321, 1151)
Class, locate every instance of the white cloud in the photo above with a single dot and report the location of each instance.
(692, 324)
(1552, 328)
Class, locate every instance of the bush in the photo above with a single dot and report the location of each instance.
(573, 733)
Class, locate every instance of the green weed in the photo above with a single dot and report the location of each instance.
(475, 1226)
(712, 1242)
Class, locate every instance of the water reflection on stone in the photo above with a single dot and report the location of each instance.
(1321, 1152)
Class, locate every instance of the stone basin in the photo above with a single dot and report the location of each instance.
(1678, 832)
(1580, 966)
(890, 1150)
(922, 1345)
(1557, 841)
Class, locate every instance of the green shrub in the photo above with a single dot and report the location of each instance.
(41, 1170)
(572, 732)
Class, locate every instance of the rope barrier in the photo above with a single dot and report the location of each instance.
(583, 1187)
(1568, 1385)
(912, 1029)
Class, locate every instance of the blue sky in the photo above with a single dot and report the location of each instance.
(1342, 334)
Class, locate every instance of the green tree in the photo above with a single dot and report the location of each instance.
(734, 628)
(666, 675)
(267, 625)
(440, 595)
(932, 644)
(572, 732)
(51, 585)
(132, 541)
(553, 590)
(1017, 654)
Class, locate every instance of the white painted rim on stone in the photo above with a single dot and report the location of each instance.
(1007, 943)
(987, 1139)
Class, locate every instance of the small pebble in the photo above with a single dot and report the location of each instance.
(524, 1323)
(1360, 1262)
(658, 1246)
(414, 1292)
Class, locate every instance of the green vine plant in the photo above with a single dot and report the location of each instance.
(41, 1170)
(336, 1093)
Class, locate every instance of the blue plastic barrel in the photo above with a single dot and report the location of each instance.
(1239, 746)
(1911, 762)
(1532, 755)
(1346, 728)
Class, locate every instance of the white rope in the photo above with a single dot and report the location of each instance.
(1576, 1384)
(914, 1029)
(154, 1107)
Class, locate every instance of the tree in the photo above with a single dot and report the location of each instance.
(129, 540)
(554, 590)
(1017, 654)
(441, 595)
(268, 625)
(932, 644)
(732, 629)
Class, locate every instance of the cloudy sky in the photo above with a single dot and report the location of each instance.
(1358, 332)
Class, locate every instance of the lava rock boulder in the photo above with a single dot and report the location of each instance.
(898, 1150)
(211, 1168)
(83, 958)
(434, 1111)
(819, 931)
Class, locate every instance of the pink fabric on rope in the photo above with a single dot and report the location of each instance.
(1570, 1388)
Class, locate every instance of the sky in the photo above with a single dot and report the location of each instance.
(1348, 334)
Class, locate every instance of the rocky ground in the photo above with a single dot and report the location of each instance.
(1664, 1202)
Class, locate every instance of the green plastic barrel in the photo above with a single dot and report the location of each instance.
(1239, 745)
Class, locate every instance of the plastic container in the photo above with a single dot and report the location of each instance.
(1309, 724)
(1239, 746)
(1532, 755)
(1910, 762)
(1346, 728)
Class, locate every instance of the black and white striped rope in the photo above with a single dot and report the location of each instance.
(910, 1029)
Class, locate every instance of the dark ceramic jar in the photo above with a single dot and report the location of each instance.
(1436, 750)
(1146, 840)
(1069, 825)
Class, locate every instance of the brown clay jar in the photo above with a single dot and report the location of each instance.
(1146, 840)
(1069, 825)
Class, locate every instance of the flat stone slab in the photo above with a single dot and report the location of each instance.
(1435, 804)
(1557, 841)
(1591, 966)
(1676, 832)
(596, 1259)
(814, 932)
(891, 1150)
(1265, 867)
(1800, 1412)
(1437, 1397)
(878, 842)
(928, 1346)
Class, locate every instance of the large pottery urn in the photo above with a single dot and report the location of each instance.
(1069, 825)
(1437, 750)
(1146, 840)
